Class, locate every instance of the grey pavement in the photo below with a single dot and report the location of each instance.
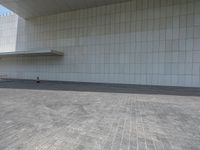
(82, 116)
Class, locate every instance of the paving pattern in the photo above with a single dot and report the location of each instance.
(96, 117)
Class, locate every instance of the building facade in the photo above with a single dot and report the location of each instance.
(147, 42)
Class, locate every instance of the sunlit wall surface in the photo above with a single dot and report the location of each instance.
(8, 32)
(146, 42)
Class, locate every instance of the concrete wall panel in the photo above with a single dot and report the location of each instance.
(154, 42)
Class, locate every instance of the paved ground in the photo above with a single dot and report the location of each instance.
(70, 116)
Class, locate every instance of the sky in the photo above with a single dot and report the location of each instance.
(4, 10)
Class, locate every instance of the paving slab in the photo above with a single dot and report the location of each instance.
(83, 116)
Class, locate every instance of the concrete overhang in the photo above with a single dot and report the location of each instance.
(34, 8)
(32, 53)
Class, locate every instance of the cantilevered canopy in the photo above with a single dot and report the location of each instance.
(32, 53)
(34, 8)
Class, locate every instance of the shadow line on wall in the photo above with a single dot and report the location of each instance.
(98, 87)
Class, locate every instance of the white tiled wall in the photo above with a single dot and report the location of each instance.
(150, 42)
(8, 33)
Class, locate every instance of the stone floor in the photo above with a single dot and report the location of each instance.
(73, 116)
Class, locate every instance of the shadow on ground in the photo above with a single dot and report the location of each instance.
(99, 87)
